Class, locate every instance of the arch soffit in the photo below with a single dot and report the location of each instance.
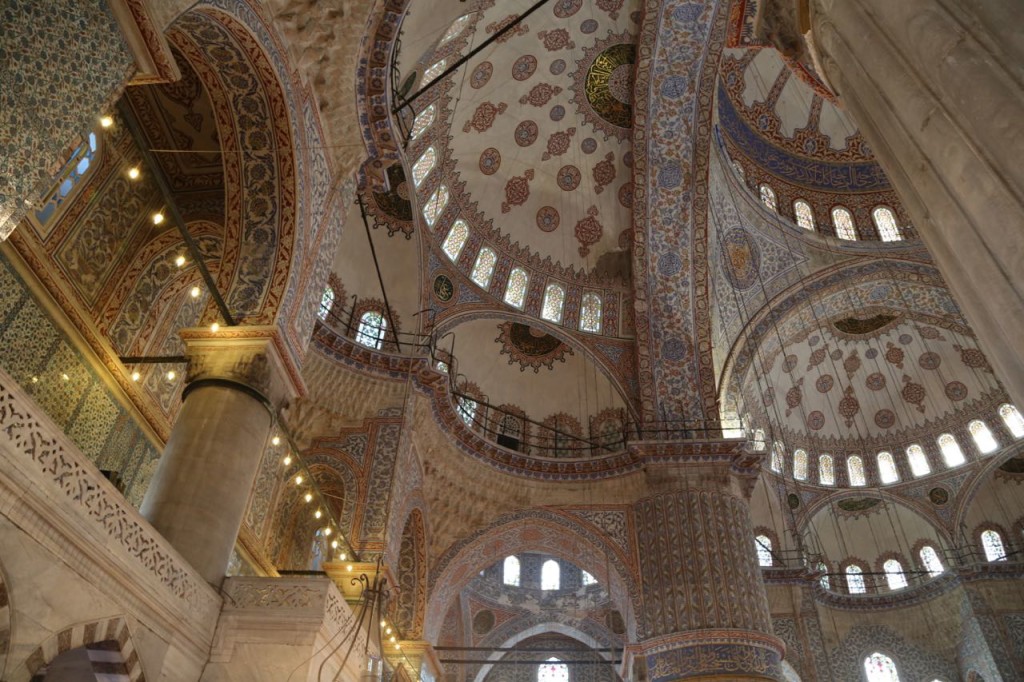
(983, 476)
(539, 530)
(793, 299)
(450, 324)
(80, 635)
(825, 502)
(541, 629)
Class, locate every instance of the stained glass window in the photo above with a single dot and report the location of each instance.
(588, 579)
(951, 451)
(442, 366)
(826, 474)
(887, 471)
(763, 545)
(456, 239)
(515, 290)
(510, 571)
(930, 560)
(894, 576)
(800, 465)
(590, 313)
(552, 671)
(842, 220)
(855, 580)
(455, 29)
(554, 301)
(550, 575)
(855, 470)
(433, 72)
(885, 223)
(371, 329)
(466, 409)
(70, 175)
(918, 461)
(983, 437)
(423, 121)
(423, 166)
(880, 668)
(483, 270)
(777, 454)
(804, 214)
(768, 197)
(1012, 419)
(759, 443)
(326, 303)
(824, 580)
(992, 543)
(438, 200)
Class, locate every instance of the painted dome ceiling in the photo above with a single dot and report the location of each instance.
(534, 138)
(784, 128)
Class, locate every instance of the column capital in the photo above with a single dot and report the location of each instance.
(251, 356)
(740, 654)
(724, 464)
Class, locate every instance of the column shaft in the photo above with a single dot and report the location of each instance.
(198, 495)
(937, 87)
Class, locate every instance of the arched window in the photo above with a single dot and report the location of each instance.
(951, 451)
(587, 579)
(70, 175)
(456, 239)
(763, 545)
(510, 571)
(983, 437)
(804, 214)
(317, 554)
(931, 562)
(768, 197)
(552, 671)
(855, 580)
(880, 668)
(423, 121)
(992, 543)
(918, 461)
(466, 409)
(800, 465)
(550, 575)
(590, 313)
(777, 453)
(855, 470)
(554, 301)
(515, 290)
(1011, 417)
(885, 223)
(826, 473)
(887, 471)
(759, 443)
(483, 270)
(455, 29)
(433, 72)
(824, 581)
(326, 303)
(371, 329)
(894, 574)
(842, 220)
(438, 200)
(423, 166)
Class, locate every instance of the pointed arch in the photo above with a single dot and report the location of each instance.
(114, 631)
(561, 535)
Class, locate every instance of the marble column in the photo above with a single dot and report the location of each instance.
(198, 494)
(705, 606)
(937, 88)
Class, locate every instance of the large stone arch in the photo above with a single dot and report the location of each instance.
(113, 630)
(541, 629)
(538, 530)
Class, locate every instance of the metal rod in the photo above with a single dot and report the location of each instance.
(472, 53)
(501, 661)
(555, 650)
(152, 359)
(165, 190)
(380, 278)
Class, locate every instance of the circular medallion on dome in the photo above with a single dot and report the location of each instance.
(395, 203)
(742, 259)
(603, 85)
(444, 289)
(938, 496)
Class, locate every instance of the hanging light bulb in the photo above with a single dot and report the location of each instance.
(195, 292)
(106, 121)
(298, 480)
(158, 218)
(318, 514)
(334, 544)
(308, 497)
(179, 261)
(65, 376)
(136, 376)
(388, 631)
(383, 623)
(287, 460)
(276, 440)
(327, 530)
(171, 374)
(133, 173)
(214, 327)
(342, 557)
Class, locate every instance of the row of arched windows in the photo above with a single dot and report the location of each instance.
(888, 473)
(518, 281)
(550, 574)
(372, 323)
(883, 217)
